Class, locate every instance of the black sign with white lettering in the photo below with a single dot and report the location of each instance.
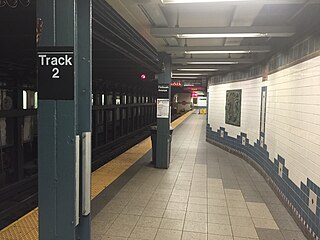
(163, 91)
(55, 73)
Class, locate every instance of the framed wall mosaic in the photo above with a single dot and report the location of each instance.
(233, 107)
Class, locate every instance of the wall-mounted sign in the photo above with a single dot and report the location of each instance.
(163, 108)
(163, 91)
(55, 73)
(176, 84)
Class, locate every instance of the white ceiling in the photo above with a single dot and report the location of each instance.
(146, 14)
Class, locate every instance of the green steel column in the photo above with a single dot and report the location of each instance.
(84, 112)
(57, 128)
(163, 124)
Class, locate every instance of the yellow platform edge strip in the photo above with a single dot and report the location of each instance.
(100, 178)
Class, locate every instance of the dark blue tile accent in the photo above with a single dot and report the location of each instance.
(281, 159)
(298, 196)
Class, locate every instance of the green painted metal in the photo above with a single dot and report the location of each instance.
(84, 89)
(163, 124)
(60, 120)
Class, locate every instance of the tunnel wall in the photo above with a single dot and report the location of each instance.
(279, 131)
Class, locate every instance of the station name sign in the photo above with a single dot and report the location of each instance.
(163, 91)
(55, 73)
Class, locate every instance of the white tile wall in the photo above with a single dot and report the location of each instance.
(292, 120)
(250, 108)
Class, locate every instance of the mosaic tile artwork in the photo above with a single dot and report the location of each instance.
(233, 107)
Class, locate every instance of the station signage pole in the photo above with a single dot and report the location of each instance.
(163, 113)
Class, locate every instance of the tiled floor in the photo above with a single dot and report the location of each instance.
(206, 194)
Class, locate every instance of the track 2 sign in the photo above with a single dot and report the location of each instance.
(56, 73)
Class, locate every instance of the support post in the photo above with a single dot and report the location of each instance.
(163, 113)
(64, 84)
(84, 110)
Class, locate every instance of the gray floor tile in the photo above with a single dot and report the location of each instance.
(265, 223)
(293, 235)
(198, 200)
(112, 238)
(287, 224)
(241, 221)
(241, 212)
(100, 228)
(246, 232)
(192, 226)
(177, 206)
(219, 229)
(174, 214)
(219, 237)
(217, 210)
(217, 202)
(204, 192)
(218, 219)
(105, 217)
(173, 224)
(133, 210)
(196, 216)
(165, 234)
(192, 207)
(194, 236)
(120, 230)
(152, 222)
(269, 234)
(153, 212)
(125, 219)
(143, 233)
(95, 236)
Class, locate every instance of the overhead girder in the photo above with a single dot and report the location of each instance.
(253, 49)
(257, 31)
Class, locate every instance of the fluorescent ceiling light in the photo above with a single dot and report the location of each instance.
(198, 69)
(214, 52)
(183, 77)
(189, 74)
(221, 35)
(200, 1)
(217, 63)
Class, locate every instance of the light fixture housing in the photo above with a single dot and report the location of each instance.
(184, 77)
(200, 1)
(189, 74)
(222, 35)
(223, 32)
(213, 63)
(198, 69)
(217, 52)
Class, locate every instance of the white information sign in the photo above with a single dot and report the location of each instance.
(163, 108)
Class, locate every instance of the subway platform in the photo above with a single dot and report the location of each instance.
(207, 193)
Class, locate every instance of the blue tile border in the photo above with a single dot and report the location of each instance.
(295, 198)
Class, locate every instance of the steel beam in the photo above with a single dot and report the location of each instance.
(84, 106)
(260, 31)
(205, 61)
(236, 2)
(219, 67)
(252, 49)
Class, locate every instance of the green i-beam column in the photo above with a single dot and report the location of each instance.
(84, 112)
(64, 133)
(163, 113)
